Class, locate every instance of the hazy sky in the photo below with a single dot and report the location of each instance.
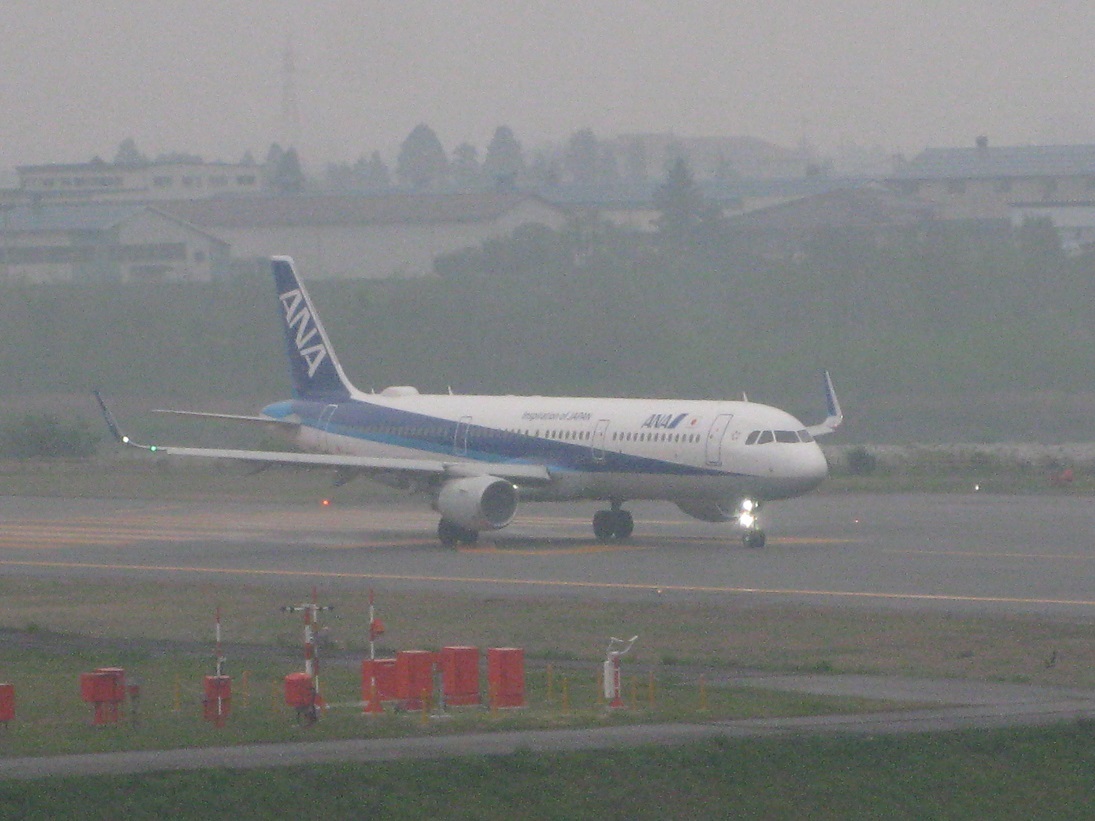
(206, 76)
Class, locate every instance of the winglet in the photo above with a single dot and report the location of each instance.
(115, 430)
(832, 404)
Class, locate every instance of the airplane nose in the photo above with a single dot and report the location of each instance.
(815, 467)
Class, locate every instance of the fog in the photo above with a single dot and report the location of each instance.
(77, 77)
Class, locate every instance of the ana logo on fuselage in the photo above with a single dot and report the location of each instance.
(299, 317)
(663, 420)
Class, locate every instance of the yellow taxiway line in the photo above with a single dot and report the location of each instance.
(581, 585)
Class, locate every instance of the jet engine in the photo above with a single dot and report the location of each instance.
(477, 502)
(710, 511)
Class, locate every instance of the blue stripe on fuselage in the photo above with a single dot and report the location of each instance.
(431, 434)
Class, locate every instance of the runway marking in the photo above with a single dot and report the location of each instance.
(574, 550)
(631, 586)
(986, 554)
(385, 543)
(37, 539)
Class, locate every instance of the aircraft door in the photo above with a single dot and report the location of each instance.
(600, 434)
(714, 439)
(460, 439)
(324, 423)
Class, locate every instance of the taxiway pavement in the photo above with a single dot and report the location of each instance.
(967, 552)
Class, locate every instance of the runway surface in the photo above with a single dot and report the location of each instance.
(972, 552)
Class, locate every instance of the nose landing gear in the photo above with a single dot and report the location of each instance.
(752, 535)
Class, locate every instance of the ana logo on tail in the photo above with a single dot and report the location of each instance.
(299, 317)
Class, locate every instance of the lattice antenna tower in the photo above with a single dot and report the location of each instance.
(290, 109)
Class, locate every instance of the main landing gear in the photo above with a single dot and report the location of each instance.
(613, 524)
(452, 534)
(753, 538)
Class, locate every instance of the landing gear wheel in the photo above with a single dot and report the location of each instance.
(451, 534)
(754, 538)
(625, 525)
(612, 524)
(604, 525)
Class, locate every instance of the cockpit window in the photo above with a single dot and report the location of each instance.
(805, 436)
(765, 437)
(751, 439)
(787, 436)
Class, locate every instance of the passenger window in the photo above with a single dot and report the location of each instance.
(751, 439)
(765, 437)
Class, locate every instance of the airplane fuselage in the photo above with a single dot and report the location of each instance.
(594, 448)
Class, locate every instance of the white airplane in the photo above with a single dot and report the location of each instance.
(478, 456)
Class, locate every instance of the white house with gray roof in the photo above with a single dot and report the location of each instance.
(983, 182)
(104, 242)
(365, 237)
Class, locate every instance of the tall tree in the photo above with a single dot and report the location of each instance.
(287, 176)
(422, 162)
(681, 206)
(504, 161)
(374, 172)
(128, 154)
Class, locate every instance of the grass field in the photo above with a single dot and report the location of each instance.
(1000, 774)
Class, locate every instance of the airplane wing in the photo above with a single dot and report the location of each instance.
(231, 417)
(515, 472)
(835, 417)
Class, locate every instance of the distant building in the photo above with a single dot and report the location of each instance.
(714, 158)
(365, 237)
(157, 180)
(632, 205)
(983, 182)
(104, 242)
(870, 212)
(1074, 222)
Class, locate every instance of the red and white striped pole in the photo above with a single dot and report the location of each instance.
(311, 653)
(376, 629)
(220, 666)
(219, 655)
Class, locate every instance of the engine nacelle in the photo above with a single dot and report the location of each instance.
(708, 511)
(477, 502)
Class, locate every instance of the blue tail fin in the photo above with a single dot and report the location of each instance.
(313, 366)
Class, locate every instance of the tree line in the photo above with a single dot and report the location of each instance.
(936, 310)
(424, 164)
